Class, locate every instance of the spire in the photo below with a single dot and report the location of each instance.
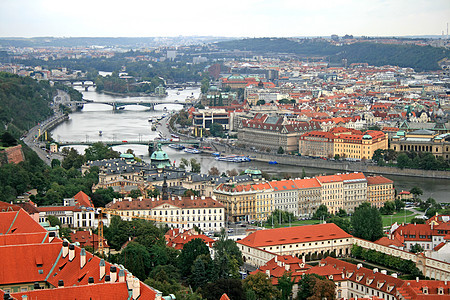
(164, 192)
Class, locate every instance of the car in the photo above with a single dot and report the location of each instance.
(230, 230)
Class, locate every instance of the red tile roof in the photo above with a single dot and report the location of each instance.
(83, 200)
(371, 180)
(18, 222)
(294, 235)
(183, 202)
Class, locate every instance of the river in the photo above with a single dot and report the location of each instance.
(132, 124)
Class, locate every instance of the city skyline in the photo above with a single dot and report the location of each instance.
(253, 18)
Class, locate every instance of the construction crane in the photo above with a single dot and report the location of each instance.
(120, 213)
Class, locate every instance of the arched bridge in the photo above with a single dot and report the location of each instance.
(128, 142)
(121, 105)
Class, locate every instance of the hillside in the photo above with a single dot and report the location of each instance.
(421, 58)
(23, 102)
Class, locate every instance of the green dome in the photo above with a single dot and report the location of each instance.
(236, 77)
(127, 156)
(367, 137)
(159, 158)
(213, 88)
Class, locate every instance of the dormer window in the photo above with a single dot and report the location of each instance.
(425, 290)
(440, 291)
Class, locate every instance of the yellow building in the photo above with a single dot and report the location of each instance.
(379, 190)
(332, 192)
(355, 145)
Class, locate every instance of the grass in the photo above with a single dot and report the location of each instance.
(398, 217)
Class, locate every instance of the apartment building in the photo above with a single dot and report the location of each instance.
(309, 196)
(178, 212)
(379, 190)
(332, 192)
(355, 190)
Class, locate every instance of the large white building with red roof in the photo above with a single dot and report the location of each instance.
(35, 264)
(312, 240)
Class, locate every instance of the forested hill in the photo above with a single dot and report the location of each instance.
(421, 58)
(23, 102)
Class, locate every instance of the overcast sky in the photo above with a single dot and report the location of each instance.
(237, 18)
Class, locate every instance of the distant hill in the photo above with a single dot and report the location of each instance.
(23, 102)
(421, 58)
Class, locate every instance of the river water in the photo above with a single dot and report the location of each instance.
(132, 124)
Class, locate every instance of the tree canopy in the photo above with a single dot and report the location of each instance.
(367, 223)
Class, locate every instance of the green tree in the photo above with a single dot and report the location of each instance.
(403, 161)
(55, 163)
(136, 259)
(416, 248)
(216, 130)
(280, 150)
(72, 159)
(99, 151)
(416, 191)
(262, 286)
(261, 102)
(343, 223)
(195, 166)
(232, 287)
(7, 139)
(285, 284)
(227, 257)
(313, 286)
(101, 197)
(135, 194)
(117, 232)
(367, 223)
(388, 208)
(202, 271)
(189, 254)
(53, 221)
(399, 204)
(321, 212)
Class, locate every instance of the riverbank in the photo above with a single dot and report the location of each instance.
(342, 166)
(131, 94)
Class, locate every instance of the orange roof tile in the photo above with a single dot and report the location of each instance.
(293, 235)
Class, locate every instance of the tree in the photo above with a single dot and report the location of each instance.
(343, 223)
(99, 151)
(231, 173)
(388, 208)
(189, 254)
(260, 102)
(232, 287)
(214, 171)
(313, 286)
(321, 212)
(117, 232)
(136, 259)
(262, 286)
(280, 150)
(7, 139)
(403, 161)
(135, 194)
(53, 221)
(399, 204)
(101, 197)
(202, 271)
(72, 159)
(55, 163)
(216, 130)
(227, 257)
(416, 191)
(416, 248)
(285, 284)
(367, 223)
(195, 166)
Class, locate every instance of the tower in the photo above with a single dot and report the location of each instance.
(164, 191)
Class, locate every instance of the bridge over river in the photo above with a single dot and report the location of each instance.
(128, 142)
(118, 105)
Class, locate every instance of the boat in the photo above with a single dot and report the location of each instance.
(273, 162)
(154, 128)
(233, 158)
(176, 146)
(191, 150)
(178, 93)
(121, 108)
(216, 154)
(100, 133)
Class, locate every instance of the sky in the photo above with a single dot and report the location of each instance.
(232, 18)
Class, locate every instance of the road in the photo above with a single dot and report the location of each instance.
(39, 147)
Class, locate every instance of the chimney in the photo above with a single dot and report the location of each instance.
(394, 275)
(51, 236)
(287, 267)
(60, 283)
(358, 266)
(65, 249)
(268, 273)
(107, 278)
(91, 280)
(375, 270)
(417, 279)
(71, 252)
(133, 286)
(82, 258)
(113, 273)
(276, 258)
(102, 268)
(383, 272)
(303, 259)
(121, 275)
